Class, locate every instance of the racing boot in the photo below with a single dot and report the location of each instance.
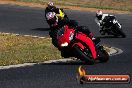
(95, 40)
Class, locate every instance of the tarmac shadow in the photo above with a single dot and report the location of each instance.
(72, 62)
(107, 36)
(41, 29)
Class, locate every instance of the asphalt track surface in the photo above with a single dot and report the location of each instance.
(25, 20)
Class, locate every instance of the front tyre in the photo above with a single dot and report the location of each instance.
(122, 33)
(80, 54)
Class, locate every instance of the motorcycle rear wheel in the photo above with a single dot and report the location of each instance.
(103, 56)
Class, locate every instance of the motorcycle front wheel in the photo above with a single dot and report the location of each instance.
(120, 32)
(83, 55)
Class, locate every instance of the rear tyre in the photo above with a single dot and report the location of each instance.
(103, 56)
(79, 53)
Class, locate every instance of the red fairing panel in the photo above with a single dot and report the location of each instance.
(65, 37)
(89, 42)
(79, 44)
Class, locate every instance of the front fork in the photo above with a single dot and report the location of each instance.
(119, 25)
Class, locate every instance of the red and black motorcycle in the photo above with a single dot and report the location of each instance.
(77, 44)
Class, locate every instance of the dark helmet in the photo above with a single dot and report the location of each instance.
(99, 14)
(51, 17)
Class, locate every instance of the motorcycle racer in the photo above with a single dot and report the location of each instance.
(101, 19)
(50, 7)
(57, 24)
(59, 12)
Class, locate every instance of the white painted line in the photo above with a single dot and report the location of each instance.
(35, 36)
(7, 33)
(31, 64)
(17, 34)
(26, 35)
(42, 37)
(60, 60)
(18, 65)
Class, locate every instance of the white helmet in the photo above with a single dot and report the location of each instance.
(51, 16)
(99, 14)
(50, 4)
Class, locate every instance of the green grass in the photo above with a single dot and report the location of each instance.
(123, 5)
(19, 49)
